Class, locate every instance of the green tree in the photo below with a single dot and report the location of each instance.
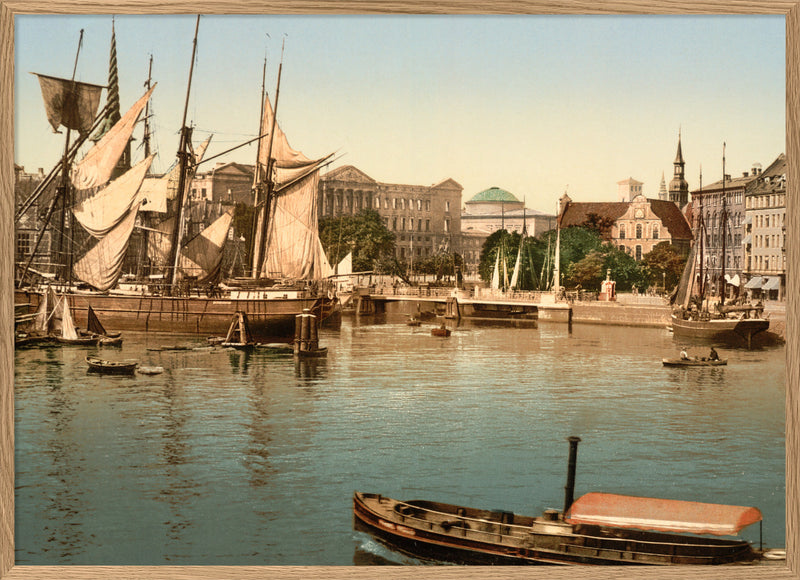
(664, 265)
(364, 234)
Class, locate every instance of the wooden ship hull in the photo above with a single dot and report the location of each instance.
(724, 329)
(268, 318)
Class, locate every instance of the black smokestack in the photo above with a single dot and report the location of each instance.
(569, 489)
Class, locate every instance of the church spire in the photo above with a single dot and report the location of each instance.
(679, 156)
(679, 187)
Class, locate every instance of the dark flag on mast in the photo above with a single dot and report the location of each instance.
(71, 104)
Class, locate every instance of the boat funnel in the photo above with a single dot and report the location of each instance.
(569, 489)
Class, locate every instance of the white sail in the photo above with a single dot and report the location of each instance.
(496, 273)
(290, 248)
(95, 169)
(41, 322)
(515, 275)
(100, 213)
(345, 267)
(293, 249)
(101, 266)
(201, 256)
(60, 319)
(67, 323)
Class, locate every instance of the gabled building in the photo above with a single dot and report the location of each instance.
(635, 226)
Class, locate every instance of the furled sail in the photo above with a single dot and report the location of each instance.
(100, 213)
(69, 103)
(101, 266)
(95, 169)
(202, 255)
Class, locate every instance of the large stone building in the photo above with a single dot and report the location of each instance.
(426, 220)
(764, 241)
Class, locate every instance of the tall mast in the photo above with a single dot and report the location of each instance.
(701, 234)
(724, 227)
(146, 136)
(267, 178)
(557, 259)
(183, 158)
(257, 189)
(66, 193)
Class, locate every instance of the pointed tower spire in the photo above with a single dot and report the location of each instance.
(112, 101)
(662, 190)
(679, 187)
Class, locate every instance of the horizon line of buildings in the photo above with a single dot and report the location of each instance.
(427, 220)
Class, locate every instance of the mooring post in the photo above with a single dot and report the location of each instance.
(569, 489)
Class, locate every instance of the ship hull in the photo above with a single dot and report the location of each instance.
(269, 319)
(724, 329)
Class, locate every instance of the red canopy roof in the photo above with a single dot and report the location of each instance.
(665, 515)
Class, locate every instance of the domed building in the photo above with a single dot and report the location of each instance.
(495, 209)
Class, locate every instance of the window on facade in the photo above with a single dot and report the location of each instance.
(394, 224)
(447, 225)
(447, 206)
(419, 225)
(427, 225)
(394, 203)
(24, 243)
(621, 247)
(621, 231)
(638, 232)
(427, 205)
(655, 232)
(419, 205)
(638, 253)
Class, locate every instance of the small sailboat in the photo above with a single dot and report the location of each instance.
(94, 326)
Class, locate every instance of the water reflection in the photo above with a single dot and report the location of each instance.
(177, 488)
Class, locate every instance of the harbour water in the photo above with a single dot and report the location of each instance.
(236, 458)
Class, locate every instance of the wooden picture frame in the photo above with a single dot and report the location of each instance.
(10, 8)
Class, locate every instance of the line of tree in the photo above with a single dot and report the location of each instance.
(584, 260)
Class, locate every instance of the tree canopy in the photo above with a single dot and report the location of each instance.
(364, 234)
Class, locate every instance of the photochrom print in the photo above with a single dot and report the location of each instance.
(366, 290)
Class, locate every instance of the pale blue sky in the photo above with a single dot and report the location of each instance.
(532, 104)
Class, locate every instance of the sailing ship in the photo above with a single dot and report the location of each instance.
(289, 265)
(693, 315)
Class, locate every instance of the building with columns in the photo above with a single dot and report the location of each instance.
(426, 220)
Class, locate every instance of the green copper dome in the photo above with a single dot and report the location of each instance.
(494, 194)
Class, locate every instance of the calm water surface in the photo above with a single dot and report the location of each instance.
(236, 458)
